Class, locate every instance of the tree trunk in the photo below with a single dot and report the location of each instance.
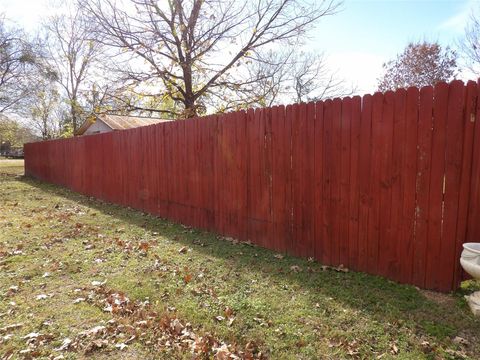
(73, 113)
(190, 108)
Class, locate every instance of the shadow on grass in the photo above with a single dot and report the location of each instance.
(438, 315)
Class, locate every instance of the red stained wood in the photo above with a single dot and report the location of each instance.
(230, 194)
(260, 226)
(473, 223)
(327, 223)
(466, 175)
(281, 173)
(355, 170)
(409, 170)
(319, 236)
(206, 157)
(453, 158)
(387, 184)
(344, 200)
(435, 201)
(386, 245)
(378, 152)
(335, 179)
(397, 183)
(424, 155)
(364, 164)
(302, 179)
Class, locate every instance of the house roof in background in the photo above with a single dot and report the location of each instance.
(120, 122)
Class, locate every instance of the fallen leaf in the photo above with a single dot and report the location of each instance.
(95, 345)
(295, 268)
(9, 328)
(341, 268)
(32, 335)
(121, 346)
(177, 326)
(251, 347)
(301, 343)
(65, 345)
(187, 278)
(222, 353)
(228, 311)
(130, 339)
(99, 283)
(460, 340)
(47, 323)
(12, 290)
(144, 246)
(93, 331)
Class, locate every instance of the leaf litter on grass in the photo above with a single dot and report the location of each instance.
(137, 321)
(229, 291)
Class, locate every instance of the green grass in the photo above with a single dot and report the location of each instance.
(10, 166)
(306, 314)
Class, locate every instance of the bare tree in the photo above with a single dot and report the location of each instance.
(45, 116)
(280, 76)
(470, 45)
(74, 53)
(313, 80)
(420, 64)
(19, 61)
(263, 84)
(190, 51)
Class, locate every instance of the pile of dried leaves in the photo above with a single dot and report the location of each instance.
(137, 321)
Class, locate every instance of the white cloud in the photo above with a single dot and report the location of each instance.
(361, 69)
(458, 21)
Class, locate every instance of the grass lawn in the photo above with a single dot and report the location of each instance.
(80, 278)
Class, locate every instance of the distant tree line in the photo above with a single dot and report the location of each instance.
(184, 58)
(175, 59)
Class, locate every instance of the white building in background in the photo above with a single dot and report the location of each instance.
(106, 123)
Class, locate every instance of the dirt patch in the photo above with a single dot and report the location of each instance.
(439, 298)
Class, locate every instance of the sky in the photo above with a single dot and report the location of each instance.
(356, 41)
(367, 33)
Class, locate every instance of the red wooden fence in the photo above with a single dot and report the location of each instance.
(388, 184)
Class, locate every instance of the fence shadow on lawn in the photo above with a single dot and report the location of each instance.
(382, 300)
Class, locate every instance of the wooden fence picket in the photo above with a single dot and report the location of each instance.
(387, 184)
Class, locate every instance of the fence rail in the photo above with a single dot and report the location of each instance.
(387, 184)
